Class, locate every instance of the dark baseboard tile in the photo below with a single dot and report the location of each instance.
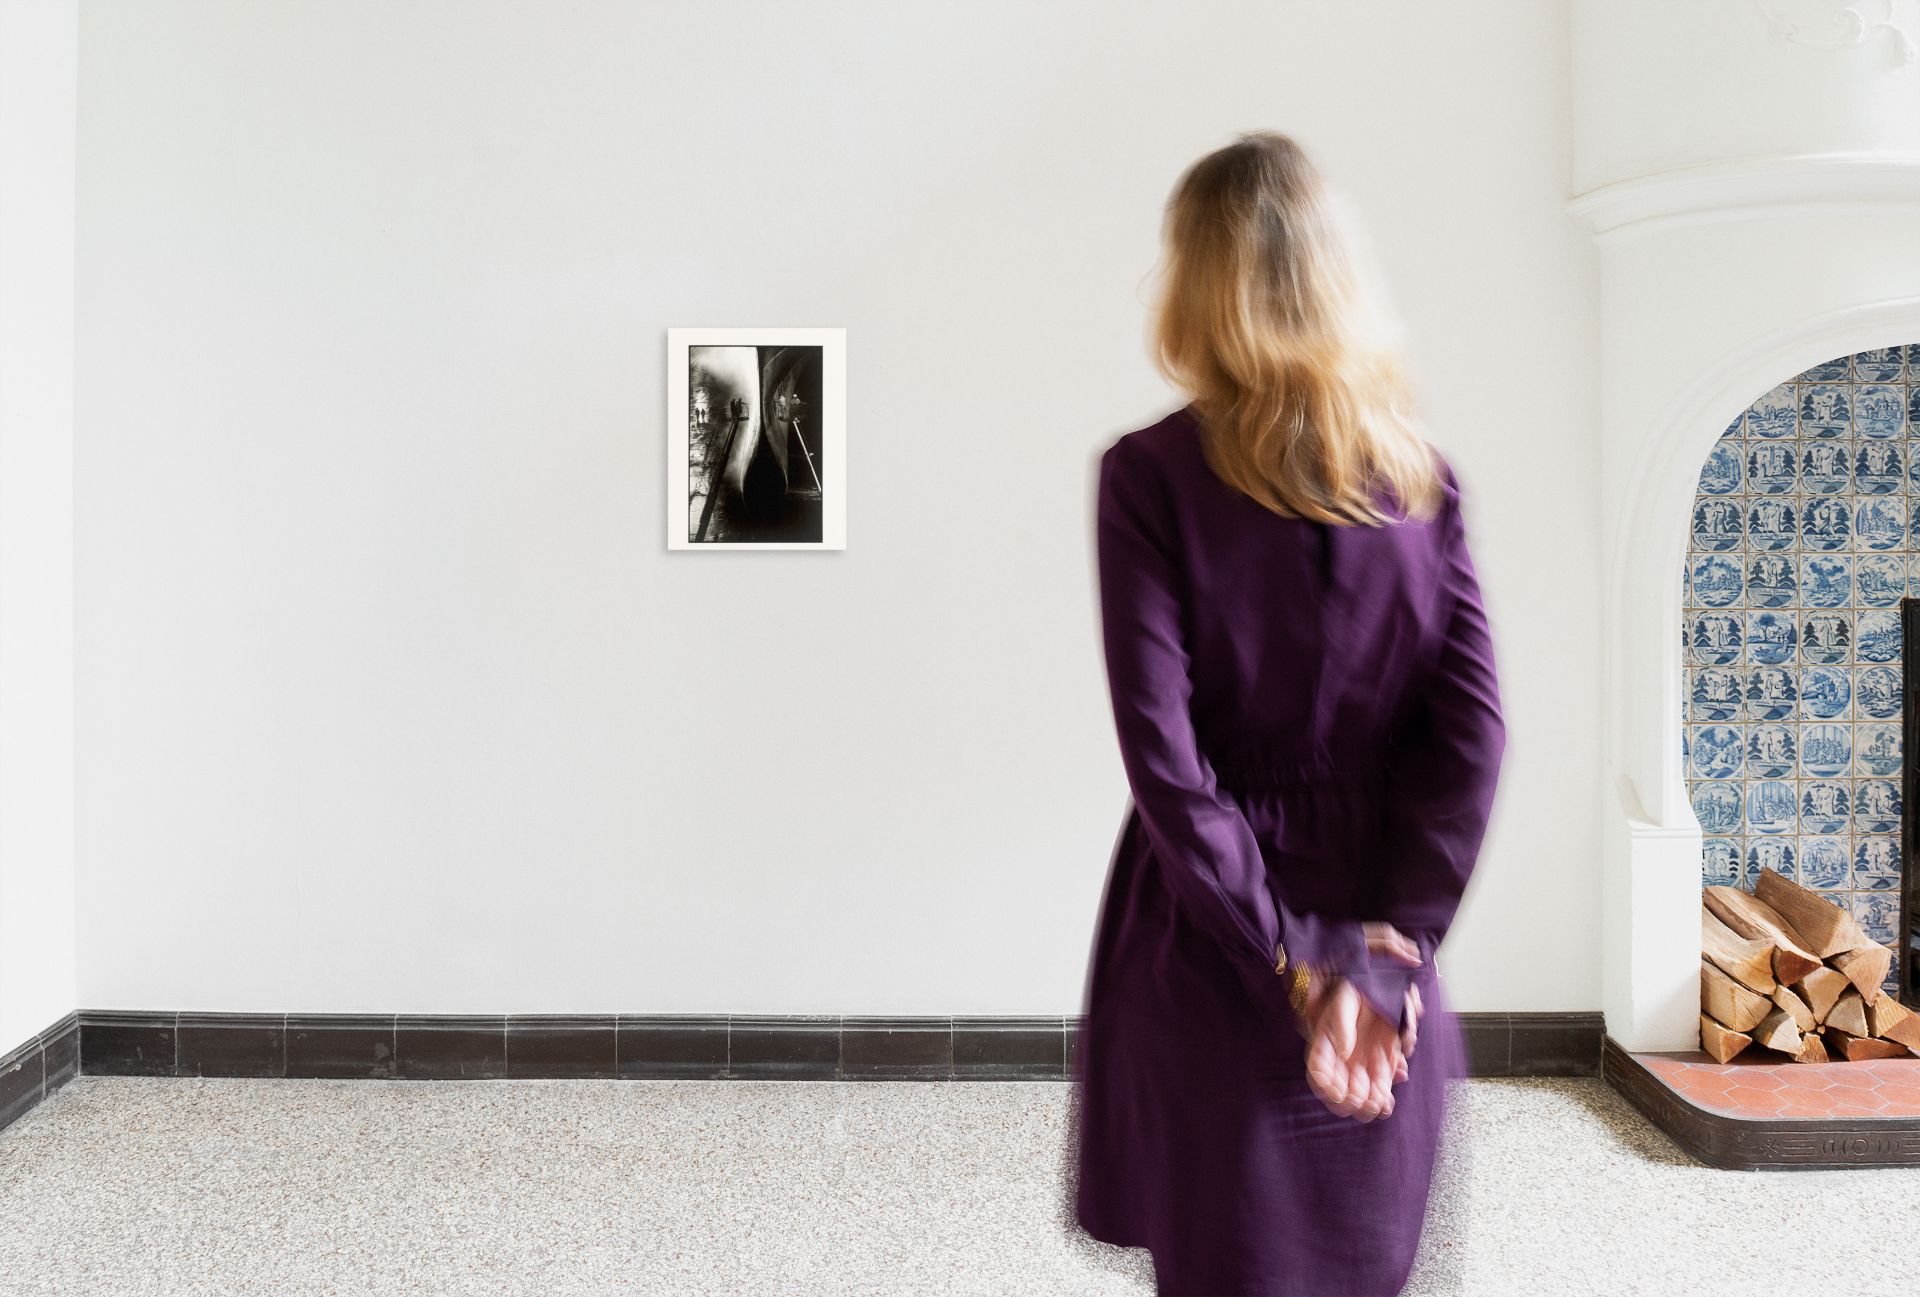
(37, 1067)
(689, 1047)
(1532, 1044)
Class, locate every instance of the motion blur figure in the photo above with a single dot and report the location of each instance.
(1303, 689)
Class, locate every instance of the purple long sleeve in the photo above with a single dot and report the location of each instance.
(1208, 853)
(1445, 765)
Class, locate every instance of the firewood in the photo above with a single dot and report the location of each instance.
(1719, 1042)
(1732, 1004)
(1892, 1020)
(1747, 960)
(1778, 1032)
(1812, 1050)
(1821, 988)
(1751, 917)
(1865, 966)
(1855, 1049)
(1783, 997)
(1849, 1014)
(1824, 928)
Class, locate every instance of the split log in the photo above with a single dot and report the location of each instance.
(1784, 998)
(1821, 988)
(1855, 1049)
(1823, 927)
(1812, 1050)
(1865, 966)
(1892, 1020)
(1778, 1032)
(1849, 1014)
(1719, 1042)
(1747, 960)
(1730, 1003)
(1751, 917)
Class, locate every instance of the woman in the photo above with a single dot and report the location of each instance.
(1303, 689)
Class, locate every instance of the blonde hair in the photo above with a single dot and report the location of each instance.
(1263, 322)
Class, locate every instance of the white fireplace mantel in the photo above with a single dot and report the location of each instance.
(1751, 221)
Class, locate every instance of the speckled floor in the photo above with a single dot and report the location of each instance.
(129, 1187)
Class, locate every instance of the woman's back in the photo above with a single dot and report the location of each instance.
(1303, 635)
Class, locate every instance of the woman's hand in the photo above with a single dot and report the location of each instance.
(1385, 939)
(1353, 1054)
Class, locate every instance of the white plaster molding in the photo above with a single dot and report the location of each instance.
(1839, 183)
(1838, 24)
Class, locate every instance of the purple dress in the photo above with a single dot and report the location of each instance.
(1310, 727)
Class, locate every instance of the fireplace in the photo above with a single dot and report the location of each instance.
(1797, 698)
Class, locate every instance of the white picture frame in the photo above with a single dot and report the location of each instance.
(756, 439)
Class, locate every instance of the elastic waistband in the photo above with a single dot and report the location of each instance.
(1264, 771)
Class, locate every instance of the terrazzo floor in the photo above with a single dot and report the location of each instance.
(133, 1187)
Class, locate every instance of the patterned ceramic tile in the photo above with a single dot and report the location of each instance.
(1805, 536)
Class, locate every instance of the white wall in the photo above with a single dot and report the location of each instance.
(38, 52)
(391, 698)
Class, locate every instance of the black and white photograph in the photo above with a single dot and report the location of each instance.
(756, 438)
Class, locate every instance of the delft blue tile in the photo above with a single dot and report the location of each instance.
(1826, 580)
(1736, 429)
(1724, 470)
(1878, 468)
(1879, 522)
(1879, 412)
(1876, 692)
(1877, 365)
(1876, 750)
(1771, 693)
(1771, 583)
(1823, 863)
(1825, 692)
(1772, 637)
(1715, 694)
(1716, 581)
(1880, 579)
(1717, 525)
(1824, 750)
(1776, 854)
(1776, 414)
(1824, 806)
(1825, 467)
(1877, 912)
(1717, 638)
(1826, 635)
(1876, 863)
(1824, 410)
(1717, 751)
(1876, 806)
(1772, 468)
(1720, 808)
(1878, 635)
(1913, 410)
(1913, 361)
(1826, 525)
(1772, 522)
(1827, 371)
(1720, 862)
(1772, 806)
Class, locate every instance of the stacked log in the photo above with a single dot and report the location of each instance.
(1787, 970)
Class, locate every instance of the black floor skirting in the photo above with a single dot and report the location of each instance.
(685, 1048)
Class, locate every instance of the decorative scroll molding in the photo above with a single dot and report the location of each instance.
(1747, 186)
(1839, 24)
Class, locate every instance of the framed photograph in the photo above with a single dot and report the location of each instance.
(756, 439)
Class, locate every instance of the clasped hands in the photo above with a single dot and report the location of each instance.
(1354, 1056)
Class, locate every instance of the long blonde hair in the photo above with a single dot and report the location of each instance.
(1263, 322)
